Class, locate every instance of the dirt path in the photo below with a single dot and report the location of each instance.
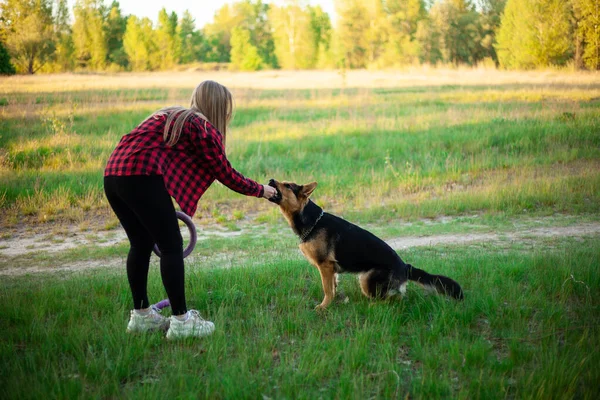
(25, 241)
(567, 231)
(18, 246)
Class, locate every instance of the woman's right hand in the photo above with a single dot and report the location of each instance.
(269, 191)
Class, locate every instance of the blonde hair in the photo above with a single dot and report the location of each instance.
(210, 101)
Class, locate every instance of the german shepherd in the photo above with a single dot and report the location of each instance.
(334, 246)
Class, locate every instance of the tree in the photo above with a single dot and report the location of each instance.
(460, 31)
(64, 49)
(247, 15)
(244, 55)
(257, 22)
(139, 45)
(491, 12)
(322, 31)
(167, 40)
(114, 29)
(28, 28)
(192, 43)
(352, 33)
(402, 19)
(293, 36)
(91, 47)
(218, 34)
(378, 32)
(534, 33)
(587, 31)
(428, 42)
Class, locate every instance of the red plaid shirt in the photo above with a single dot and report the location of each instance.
(188, 168)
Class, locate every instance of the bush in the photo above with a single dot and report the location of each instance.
(6, 67)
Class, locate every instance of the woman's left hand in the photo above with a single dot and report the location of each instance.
(269, 191)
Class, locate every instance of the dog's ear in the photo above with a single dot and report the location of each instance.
(308, 189)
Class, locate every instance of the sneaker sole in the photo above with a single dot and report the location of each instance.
(172, 336)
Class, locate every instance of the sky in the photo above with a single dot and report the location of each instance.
(203, 11)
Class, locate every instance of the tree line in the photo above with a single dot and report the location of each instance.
(249, 35)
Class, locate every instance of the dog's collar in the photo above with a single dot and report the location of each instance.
(306, 233)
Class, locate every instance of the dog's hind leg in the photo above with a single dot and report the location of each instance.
(375, 283)
(363, 280)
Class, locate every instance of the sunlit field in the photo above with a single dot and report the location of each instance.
(415, 152)
(419, 143)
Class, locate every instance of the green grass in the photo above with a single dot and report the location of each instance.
(528, 328)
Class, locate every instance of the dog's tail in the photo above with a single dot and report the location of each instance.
(441, 284)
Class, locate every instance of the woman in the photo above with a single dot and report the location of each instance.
(176, 152)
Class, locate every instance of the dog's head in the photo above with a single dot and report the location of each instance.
(291, 197)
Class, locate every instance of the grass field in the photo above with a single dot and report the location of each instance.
(415, 152)
(525, 330)
(419, 150)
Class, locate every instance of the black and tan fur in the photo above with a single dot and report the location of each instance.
(334, 246)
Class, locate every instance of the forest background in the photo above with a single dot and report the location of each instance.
(47, 36)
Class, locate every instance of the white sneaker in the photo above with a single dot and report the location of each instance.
(194, 325)
(152, 321)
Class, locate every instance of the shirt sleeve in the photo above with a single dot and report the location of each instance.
(211, 147)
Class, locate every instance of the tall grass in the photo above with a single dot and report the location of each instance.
(442, 146)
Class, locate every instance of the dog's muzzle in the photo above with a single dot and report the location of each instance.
(277, 198)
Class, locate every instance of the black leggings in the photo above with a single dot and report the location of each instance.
(147, 214)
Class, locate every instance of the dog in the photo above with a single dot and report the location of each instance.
(334, 246)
